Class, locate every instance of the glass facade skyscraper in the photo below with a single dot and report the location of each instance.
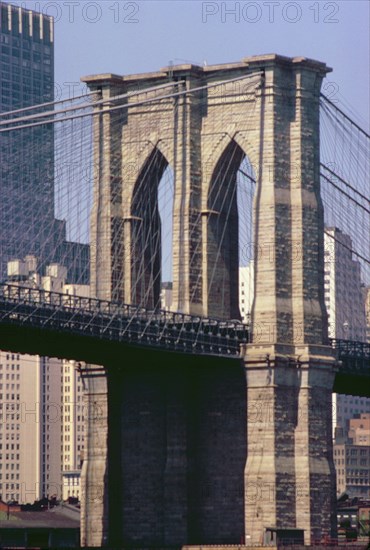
(27, 219)
(27, 224)
(31, 390)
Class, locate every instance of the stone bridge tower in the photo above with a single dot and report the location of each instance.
(207, 120)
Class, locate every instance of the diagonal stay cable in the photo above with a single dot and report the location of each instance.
(126, 106)
(348, 248)
(345, 194)
(344, 115)
(41, 105)
(342, 181)
(21, 300)
(79, 107)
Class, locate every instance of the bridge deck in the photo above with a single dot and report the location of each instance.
(106, 320)
(31, 310)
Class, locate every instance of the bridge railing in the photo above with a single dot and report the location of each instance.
(116, 321)
(351, 347)
(353, 357)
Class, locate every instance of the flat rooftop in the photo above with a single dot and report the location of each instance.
(59, 516)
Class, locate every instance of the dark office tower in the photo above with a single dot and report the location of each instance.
(27, 223)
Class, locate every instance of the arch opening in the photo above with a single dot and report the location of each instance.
(230, 248)
(246, 188)
(151, 233)
(165, 206)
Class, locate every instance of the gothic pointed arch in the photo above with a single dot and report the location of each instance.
(222, 235)
(146, 233)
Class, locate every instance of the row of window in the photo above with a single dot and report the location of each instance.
(9, 486)
(352, 452)
(351, 472)
(10, 386)
(358, 481)
(10, 476)
(10, 466)
(26, 63)
(80, 428)
(11, 427)
(24, 44)
(10, 396)
(351, 461)
(12, 436)
(68, 418)
(9, 456)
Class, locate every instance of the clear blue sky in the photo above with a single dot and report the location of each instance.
(135, 36)
(124, 37)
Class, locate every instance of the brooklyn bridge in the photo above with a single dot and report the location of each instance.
(210, 430)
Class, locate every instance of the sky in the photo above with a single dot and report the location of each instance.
(129, 37)
(126, 37)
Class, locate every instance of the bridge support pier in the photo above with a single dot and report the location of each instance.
(289, 474)
(175, 452)
(94, 476)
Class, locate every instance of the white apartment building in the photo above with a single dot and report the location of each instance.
(367, 310)
(352, 458)
(42, 420)
(246, 290)
(30, 395)
(166, 296)
(344, 291)
(73, 417)
(345, 304)
(30, 427)
(73, 430)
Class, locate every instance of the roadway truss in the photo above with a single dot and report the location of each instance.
(354, 357)
(120, 322)
(130, 324)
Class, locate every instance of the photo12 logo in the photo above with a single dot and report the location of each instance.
(90, 12)
(270, 12)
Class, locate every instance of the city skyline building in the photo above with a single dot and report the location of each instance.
(27, 172)
(30, 430)
(27, 155)
(246, 291)
(352, 457)
(166, 295)
(367, 310)
(345, 304)
(73, 430)
(42, 428)
(73, 416)
(344, 290)
(35, 446)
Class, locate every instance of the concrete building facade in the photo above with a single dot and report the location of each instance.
(27, 171)
(30, 427)
(346, 307)
(352, 458)
(27, 78)
(367, 309)
(42, 428)
(33, 233)
(344, 290)
(73, 430)
(73, 417)
(246, 291)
